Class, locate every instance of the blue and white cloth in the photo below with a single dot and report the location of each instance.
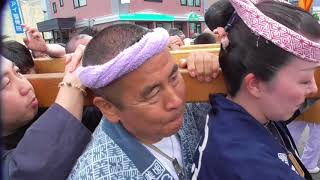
(114, 154)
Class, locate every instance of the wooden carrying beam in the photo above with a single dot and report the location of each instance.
(200, 46)
(49, 65)
(56, 65)
(46, 87)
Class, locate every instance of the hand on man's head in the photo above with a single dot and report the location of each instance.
(72, 62)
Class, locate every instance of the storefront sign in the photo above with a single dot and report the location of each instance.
(193, 17)
(16, 17)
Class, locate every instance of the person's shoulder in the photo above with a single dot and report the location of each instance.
(245, 160)
(233, 138)
(195, 115)
(6, 160)
(102, 154)
(6, 154)
(97, 148)
(197, 108)
(99, 139)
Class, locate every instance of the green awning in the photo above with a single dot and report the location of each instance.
(146, 17)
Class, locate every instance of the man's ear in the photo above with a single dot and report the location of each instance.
(253, 85)
(107, 109)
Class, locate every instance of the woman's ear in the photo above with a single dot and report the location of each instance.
(253, 85)
(110, 111)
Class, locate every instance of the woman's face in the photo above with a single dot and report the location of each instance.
(284, 94)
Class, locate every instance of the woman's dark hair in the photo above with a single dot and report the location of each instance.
(250, 53)
(218, 14)
(18, 54)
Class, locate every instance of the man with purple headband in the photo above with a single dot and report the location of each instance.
(268, 66)
(147, 131)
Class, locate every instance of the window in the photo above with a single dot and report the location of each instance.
(178, 26)
(79, 3)
(154, 0)
(195, 27)
(54, 7)
(159, 25)
(190, 2)
(198, 28)
(61, 3)
(164, 25)
(198, 3)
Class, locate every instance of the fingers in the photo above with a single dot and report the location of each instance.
(215, 66)
(26, 41)
(175, 42)
(215, 74)
(183, 63)
(190, 65)
(26, 28)
(208, 67)
(76, 57)
(69, 68)
(203, 65)
(31, 31)
(67, 59)
(36, 34)
(199, 66)
(220, 32)
(174, 47)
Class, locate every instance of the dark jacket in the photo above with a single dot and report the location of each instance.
(48, 149)
(237, 146)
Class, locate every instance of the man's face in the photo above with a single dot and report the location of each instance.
(153, 99)
(19, 104)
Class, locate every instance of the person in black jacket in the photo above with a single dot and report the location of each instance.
(52, 144)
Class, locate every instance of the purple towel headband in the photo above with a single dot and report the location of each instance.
(150, 44)
(277, 33)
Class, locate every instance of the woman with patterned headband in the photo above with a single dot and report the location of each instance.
(268, 65)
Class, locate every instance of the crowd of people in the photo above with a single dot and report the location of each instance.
(141, 126)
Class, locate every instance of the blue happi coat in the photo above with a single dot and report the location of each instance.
(237, 146)
(114, 154)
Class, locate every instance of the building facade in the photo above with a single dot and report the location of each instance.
(186, 15)
(31, 13)
(316, 6)
(208, 4)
